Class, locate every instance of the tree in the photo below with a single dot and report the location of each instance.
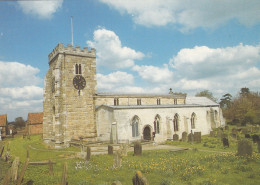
(19, 122)
(244, 91)
(225, 101)
(206, 93)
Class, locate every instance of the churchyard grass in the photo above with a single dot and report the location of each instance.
(158, 166)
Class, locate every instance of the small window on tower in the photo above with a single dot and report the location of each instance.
(139, 102)
(175, 101)
(158, 101)
(76, 69)
(80, 69)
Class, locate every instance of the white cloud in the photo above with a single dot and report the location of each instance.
(219, 70)
(110, 52)
(18, 91)
(114, 80)
(190, 15)
(154, 74)
(18, 74)
(43, 9)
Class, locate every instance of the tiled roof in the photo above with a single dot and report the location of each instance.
(3, 120)
(34, 118)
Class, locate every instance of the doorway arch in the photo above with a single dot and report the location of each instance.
(147, 134)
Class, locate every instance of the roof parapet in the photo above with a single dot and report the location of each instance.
(72, 51)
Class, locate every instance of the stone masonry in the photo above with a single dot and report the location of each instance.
(69, 113)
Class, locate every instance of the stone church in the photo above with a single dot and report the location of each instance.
(73, 109)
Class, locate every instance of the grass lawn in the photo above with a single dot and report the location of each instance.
(158, 166)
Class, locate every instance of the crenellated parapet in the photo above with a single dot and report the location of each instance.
(70, 50)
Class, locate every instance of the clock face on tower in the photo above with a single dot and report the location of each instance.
(79, 82)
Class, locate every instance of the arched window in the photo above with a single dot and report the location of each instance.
(135, 125)
(176, 122)
(192, 120)
(157, 124)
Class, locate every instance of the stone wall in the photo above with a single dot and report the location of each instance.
(68, 112)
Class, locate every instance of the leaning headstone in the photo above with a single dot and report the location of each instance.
(175, 137)
(197, 137)
(184, 137)
(247, 136)
(255, 138)
(190, 137)
(110, 149)
(244, 148)
(116, 183)
(212, 133)
(226, 127)
(137, 148)
(14, 169)
(88, 153)
(225, 142)
(139, 179)
(117, 161)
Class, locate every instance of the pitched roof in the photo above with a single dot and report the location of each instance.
(34, 118)
(200, 101)
(3, 120)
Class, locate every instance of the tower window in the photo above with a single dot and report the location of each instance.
(175, 101)
(139, 102)
(78, 69)
(158, 101)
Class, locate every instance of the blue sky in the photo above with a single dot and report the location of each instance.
(144, 46)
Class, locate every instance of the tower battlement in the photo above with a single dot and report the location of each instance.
(70, 50)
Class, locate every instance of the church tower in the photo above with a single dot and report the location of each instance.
(69, 87)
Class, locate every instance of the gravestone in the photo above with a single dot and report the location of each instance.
(184, 137)
(175, 137)
(110, 150)
(137, 148)
(117, 161)
(244, 148)
(14, 169)
(88, 153)
(139, 179)
(255, 138)
(247, 136)
(190, 137)
(197, 137)
(226, 127)
(225, 142)
(212, 134)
